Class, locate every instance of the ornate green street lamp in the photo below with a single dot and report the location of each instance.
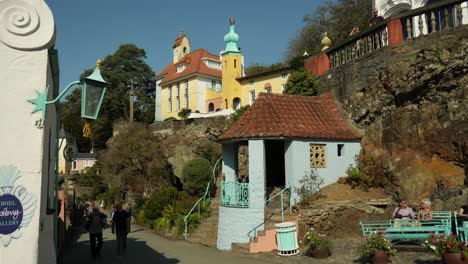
(94, 88)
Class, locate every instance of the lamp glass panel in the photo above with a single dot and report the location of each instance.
(93, 96)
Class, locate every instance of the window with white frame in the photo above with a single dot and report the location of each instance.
(252, 83)
(283, 87)
(178, 97)
(284, 75)
(317, 156)
(74, 165)
(252, 97)
(213, 84)
(186, 95)
(170, 99)
(87, 163)
(268, 90)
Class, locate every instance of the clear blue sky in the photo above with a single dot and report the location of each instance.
(92, 29)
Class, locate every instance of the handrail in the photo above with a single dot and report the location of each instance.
(282, 211)
(202, 199)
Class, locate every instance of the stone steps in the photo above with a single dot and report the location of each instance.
(207, 231)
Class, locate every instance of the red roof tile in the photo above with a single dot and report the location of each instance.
(291, 116)
(194, 66)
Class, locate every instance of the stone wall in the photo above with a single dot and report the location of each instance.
(411, 101)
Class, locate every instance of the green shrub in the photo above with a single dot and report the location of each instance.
(371, 171)
(195, 175)
(154, 206)
(184, 113)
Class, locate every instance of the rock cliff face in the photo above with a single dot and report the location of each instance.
(411, 102)
(186, 140)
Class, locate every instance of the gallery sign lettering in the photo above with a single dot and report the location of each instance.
(11, 214)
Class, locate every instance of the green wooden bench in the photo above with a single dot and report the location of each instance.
(405, 231)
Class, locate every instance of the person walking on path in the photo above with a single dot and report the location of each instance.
(95, 224)
(121, 220)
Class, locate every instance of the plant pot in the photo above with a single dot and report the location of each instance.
(318, 252)
(380, 257)
(464, 260)
(452, 258)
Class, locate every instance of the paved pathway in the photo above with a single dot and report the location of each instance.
(144, 246)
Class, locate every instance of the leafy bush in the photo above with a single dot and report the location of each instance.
(374, 243)
(184, 113)
(310, 185)
(314, 239)
(446, 244)
(302, 82)
(195, 175)
(239, 112)
(371, 171)
(155, 205)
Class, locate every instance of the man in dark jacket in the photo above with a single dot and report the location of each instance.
(96, 222)
(121, 221)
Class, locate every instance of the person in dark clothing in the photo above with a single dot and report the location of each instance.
(96, 222)
(375, 19)
(121, 220)
(463, 213)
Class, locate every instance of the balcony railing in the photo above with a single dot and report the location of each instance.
(235, 194)
(390, 32)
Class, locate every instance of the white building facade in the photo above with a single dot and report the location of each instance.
(28, 67)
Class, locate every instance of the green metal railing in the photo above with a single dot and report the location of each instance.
(202, 199)
(252, 234)
(235, 194)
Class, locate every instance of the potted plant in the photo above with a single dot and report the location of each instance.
(316, 245)
(448, 248)
(377, 248)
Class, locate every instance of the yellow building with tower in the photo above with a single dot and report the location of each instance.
(192, 80)
(205, 82)
(238, 89)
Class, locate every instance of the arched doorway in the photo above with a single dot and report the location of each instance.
(211, 108)
(236, 103)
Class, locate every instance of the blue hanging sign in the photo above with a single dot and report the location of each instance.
(11, 214)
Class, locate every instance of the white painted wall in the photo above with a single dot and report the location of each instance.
(157, 111)
(24, 66)
(235, 223)
(297, 161)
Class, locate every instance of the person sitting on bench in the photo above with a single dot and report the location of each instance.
(425, 213)
(402, 214)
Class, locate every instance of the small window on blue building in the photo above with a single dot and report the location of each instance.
(340, 150)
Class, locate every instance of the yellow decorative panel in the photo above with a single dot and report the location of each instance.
(317, 156)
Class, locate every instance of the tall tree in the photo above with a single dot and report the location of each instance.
(120, 70)
(337, 18)
(134, 162)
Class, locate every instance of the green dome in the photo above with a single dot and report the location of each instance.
(231, 38)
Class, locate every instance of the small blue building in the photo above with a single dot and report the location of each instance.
(286, 137)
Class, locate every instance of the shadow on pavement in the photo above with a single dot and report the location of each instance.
(137, 252)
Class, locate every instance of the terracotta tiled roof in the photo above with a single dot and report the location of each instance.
(291, 116)
(178, 40)
(194, 65)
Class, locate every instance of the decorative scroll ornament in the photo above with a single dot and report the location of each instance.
(26, 24)
(17, 205)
